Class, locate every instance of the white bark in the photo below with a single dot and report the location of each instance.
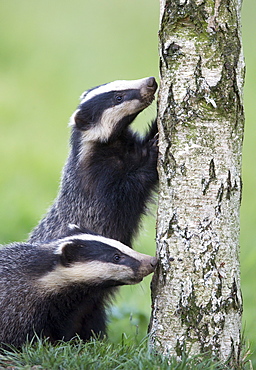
(196, 290)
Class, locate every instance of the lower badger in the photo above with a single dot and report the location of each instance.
(111, 170)
(55, 289)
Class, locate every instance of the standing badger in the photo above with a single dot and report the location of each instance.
(111, 170)
(54, 289)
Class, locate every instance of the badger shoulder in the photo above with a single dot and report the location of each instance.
(21, 259)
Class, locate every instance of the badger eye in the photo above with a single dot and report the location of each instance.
(119, 98)
(116, 258)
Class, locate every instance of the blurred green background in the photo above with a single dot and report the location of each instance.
(50, 52)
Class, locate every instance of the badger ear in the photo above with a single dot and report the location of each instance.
(73, 227)
(80, 120)
(67, 252)
(73, 230)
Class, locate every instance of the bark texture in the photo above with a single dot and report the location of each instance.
(196, 291)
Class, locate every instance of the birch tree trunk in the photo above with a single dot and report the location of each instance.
(197, 302)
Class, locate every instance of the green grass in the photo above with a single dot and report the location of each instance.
(50, 52)
(102, 355)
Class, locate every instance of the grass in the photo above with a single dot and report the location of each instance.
(51, 51)
(102, 355)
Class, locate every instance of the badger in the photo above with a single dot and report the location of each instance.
(54, 289)
(111, 171)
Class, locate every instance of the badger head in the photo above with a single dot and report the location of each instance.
(94, 260)
(106, 110)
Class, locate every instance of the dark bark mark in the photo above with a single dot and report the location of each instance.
(241, 188)
(229, 186)
(234, 301)
(173, 225)
(212, 177)
(171, 54)
(169, 165)
(170, 119)
(219, 200)
(231, 189)
(183, 169)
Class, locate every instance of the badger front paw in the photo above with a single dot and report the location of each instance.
(152, 132)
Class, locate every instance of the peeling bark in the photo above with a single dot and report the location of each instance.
(196, 291)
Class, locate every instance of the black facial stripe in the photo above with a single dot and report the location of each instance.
(92, 250)
(108, 97)
(85, 251)
(90, 111)
(130, 94)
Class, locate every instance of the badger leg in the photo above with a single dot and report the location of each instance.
(152, 132)
(93, 325)
(149, 154)
(90, 318)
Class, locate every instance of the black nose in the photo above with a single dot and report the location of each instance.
(151, 82)
(153, 262)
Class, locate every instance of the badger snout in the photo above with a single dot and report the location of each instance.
(148, 265)
(153, 262)
(148, 90)
(151, 83)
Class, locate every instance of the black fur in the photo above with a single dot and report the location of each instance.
(79, 251)
(107, 191)
(29, 306)
(91, 111)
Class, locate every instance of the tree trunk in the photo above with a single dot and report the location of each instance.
(197, 302)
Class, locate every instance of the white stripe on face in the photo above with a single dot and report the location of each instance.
(92, 273)
(95, 272)
(113, 86)
(109, 120)
(98, 238)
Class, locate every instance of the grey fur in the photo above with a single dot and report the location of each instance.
(110, 174)
(33, 301)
